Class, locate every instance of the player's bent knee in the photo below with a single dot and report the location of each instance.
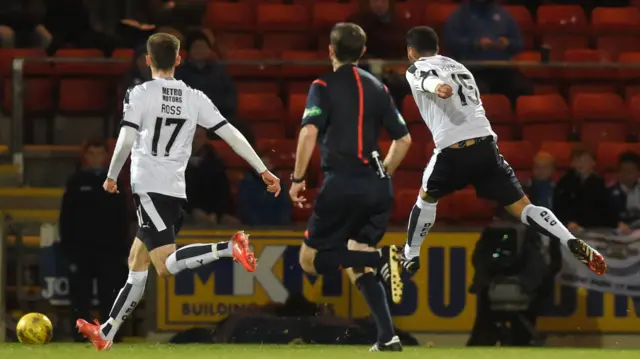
(163, 271)
(307, 255)
(426, 197)
(516, 208)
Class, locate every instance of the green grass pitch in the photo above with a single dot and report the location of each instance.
(249, 351)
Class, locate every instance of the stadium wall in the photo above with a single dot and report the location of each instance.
(435, 301)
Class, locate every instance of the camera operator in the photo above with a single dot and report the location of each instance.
(511, 257)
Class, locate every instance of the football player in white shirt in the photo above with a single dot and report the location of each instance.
(160, 118)
(466, 152)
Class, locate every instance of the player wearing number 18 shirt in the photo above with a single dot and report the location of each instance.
(466, 152)
(160, 119)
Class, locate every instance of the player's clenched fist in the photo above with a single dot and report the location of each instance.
(444, 91)
(110, 186)
(273, 182)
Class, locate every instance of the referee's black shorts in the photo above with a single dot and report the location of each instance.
(480, 165)
(350, 206)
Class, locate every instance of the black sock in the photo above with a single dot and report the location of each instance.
(376, 297)
(330, 261)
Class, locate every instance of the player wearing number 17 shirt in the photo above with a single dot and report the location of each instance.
(466, 152)
(160, 118)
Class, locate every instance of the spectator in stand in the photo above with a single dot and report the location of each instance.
(208, 188)
(376, 17)
(94, 234)
(542, 185)
(201, 71)
(139, 72)
(256, 207)
(481, 30)
(21, 24)
(580, 198)
(70, 25)
(625, 193)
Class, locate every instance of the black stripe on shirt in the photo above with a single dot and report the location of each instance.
(131, 124)
(217, 127)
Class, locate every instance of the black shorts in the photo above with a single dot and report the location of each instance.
(159, 218)
(350, 206)
(480, 165)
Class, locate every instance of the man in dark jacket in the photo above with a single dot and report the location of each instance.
(625, 193)
(92, 222)
(580, 198)
(206, 74)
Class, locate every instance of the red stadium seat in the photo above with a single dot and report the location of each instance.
(471, 209)
(282, 17)
(587, 56)
(420, 134)
(404, 201)
(83, 95)
(8, 55)
(295, 109)
(278, 42)
(621, 20)
(325, 15)
(533, 57)
(260, 107)
(543, 118)
(598, 107)
(594, 133)
(437, 14)
(415, 159)
(229, 16)
(519, 154)
(631, 91)
(499, 113)
(608, 153)
(310, 71)
(591, 88)
(298, 87)
(268, 130)
(124, 54)
(80, 66)
(561, 151)
(558, 44)
(281, 152)
(236, 40)
(525, 22)
(410, 110)
(634, 111)
(614, 45)
(561, 19)
(228, 155)
(253, 71)
(407, 179)
(257, 87)
(630, 59)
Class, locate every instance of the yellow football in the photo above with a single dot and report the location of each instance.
(34, 328)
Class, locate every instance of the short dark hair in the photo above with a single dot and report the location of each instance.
(629, 157)
(422, 39)
(163, 49)
(580, 151)
(348, 41)
(96, 142)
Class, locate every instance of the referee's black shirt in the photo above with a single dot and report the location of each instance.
(349, 107)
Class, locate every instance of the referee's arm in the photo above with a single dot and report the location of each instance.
(315, 118)
(397, 130)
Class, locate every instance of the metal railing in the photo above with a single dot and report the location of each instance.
(16, 147)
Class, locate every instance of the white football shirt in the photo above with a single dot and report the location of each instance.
(165, 112)
(458, 118)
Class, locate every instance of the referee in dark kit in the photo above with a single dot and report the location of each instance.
(345, 112)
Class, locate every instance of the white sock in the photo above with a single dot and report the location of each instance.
(125, 303)
(196, 255)
(545, 222)
(421, 219)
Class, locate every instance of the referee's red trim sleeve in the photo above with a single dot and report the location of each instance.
(319, 82)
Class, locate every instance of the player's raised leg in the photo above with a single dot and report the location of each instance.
(546, 223)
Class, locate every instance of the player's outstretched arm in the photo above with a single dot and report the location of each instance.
(241, 146)
(124, 144)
